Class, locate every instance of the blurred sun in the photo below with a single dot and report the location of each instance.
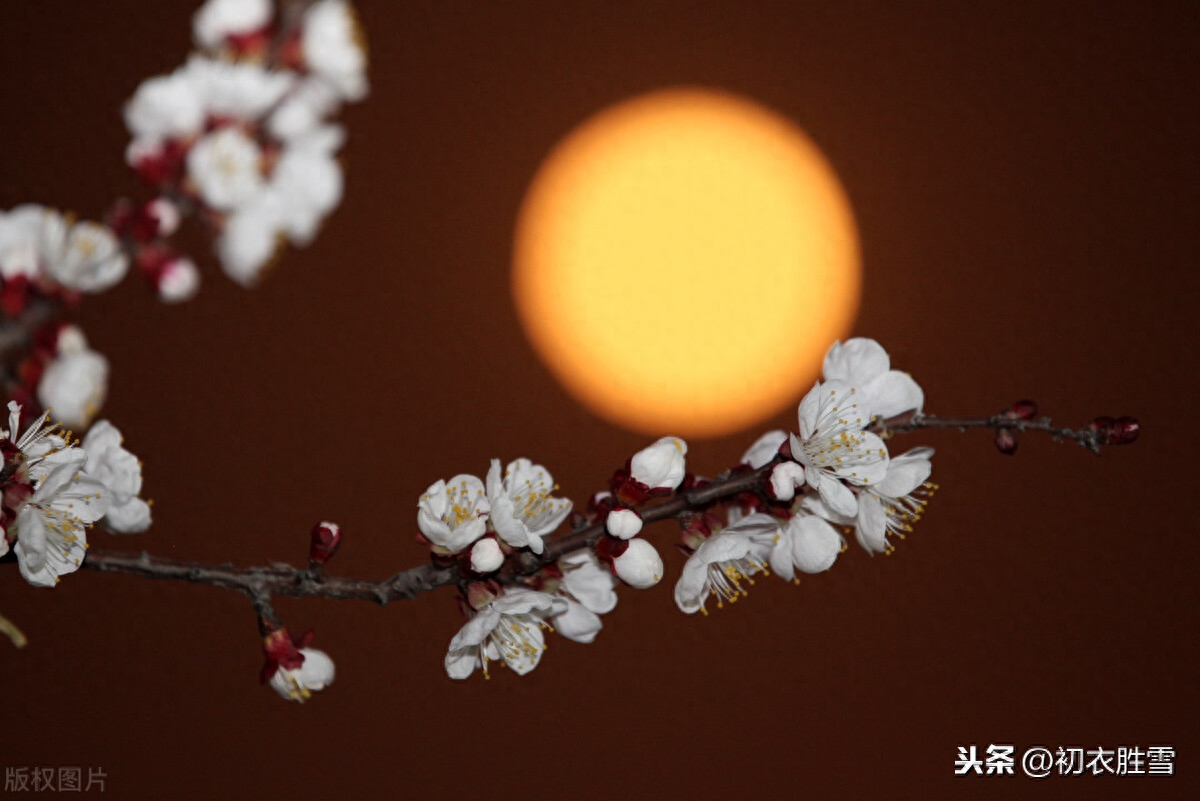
(682, 261)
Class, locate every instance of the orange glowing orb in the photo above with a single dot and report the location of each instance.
(683, 260)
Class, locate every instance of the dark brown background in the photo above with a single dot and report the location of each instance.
(1025, 179)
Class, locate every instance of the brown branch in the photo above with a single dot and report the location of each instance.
(279, 579)
(1090, 437)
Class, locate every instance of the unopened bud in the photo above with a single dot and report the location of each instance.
(486, 555)
(1126, 430)
(1022, 410)
(623, 523)
(177, 280)
(163, 214)
(482, 593)
(640, 566)
(1006, 441)
(785, 478)
(325, 539)
(1119, 431)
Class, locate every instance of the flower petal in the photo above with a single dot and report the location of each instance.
(838, 497)
(871, 529)
(892, 393)
(578, 623)
(856, 362)
(815, 544)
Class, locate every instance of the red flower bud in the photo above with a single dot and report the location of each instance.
(1006, 441)
(1023, 410)
(1120, 431)
(1126, 430)
(326, 537)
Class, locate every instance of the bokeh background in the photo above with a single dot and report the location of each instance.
(1024, 176)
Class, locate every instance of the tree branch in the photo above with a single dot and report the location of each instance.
(260, 583)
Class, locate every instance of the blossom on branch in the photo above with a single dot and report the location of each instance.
(509, 629)
(334, 48)
(522, 508)
(47, 501)
(219, 20)
(294, 670)
(806, 543)
(834, 448)
(453, 514)
(50, 249)
(121, 474)
(589, 590)
(864, 363)
(724, 560)
(890, 507)
(75, 383)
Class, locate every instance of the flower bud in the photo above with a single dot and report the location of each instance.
(177, 280)
(639, 566)
(785, 478)
(1125, 430)
(1119, 431)
(164, 214)
(623, 523)
(1022, 410)
(482, 593)
(325, 540)
(660, 466)
(486, 555)
(1006, 441)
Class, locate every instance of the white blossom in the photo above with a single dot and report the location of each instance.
(891, 506)
(305, 106)
(121, 473)
(522, 508)
(834, 448)
(806, 543)
(314, 675)
(216, 20)
(333, 47)
(660, 466)
(307, 179)
(20, 241)
(509, 628)
(75, 383)
(39, 242)
(226, 168)
(240, 90)
(864, 363)
(723, 561)
(250, 238)
(453, 514)
(50, 524)
(166, 107)
(590, 591)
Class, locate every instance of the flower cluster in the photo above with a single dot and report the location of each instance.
(239, 134)
(480, 524)
(52, 490)
(835, 471)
